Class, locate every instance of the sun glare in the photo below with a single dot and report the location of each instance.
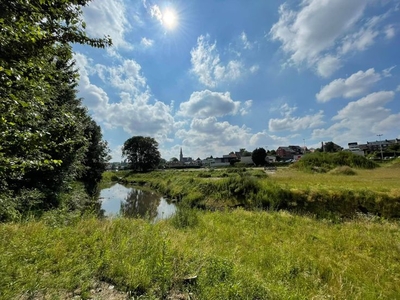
(170, 19)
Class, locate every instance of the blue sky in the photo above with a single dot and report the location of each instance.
(213, 76)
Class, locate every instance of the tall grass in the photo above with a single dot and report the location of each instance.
(373, 191)
(329, 161)
(223, 255)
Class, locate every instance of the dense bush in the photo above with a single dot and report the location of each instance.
(330, 161)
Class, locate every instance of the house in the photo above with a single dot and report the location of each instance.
(376, 146)
(296, 149)
(270, 158)
(285, 152)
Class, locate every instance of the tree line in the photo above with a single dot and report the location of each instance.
(48, 140)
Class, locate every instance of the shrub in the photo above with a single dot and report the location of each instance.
(329, 161)
(343, 170)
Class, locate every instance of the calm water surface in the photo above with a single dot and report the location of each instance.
(133, 202)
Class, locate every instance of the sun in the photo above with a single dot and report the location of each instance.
(170, 19)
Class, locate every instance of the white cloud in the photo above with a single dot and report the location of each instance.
(155, 12)
(364, 117)
(355, 85)
(207, 65)
(127, 77)
(209, 136)
(359, 41)
(328, 65)
(211, 104)
(147, 42)
(246, 43)
(306, 33)
(321, 32)
(108, 18)
(386, 72)
(291, 123)
(367, 108)
(134, 112)
(390, 32)
(264, 139)
(398, 88)
(254, 68)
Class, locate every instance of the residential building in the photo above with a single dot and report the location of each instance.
(285, 152)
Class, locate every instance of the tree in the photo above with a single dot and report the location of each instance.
(42, 122)
(330, 147)
(96, 158)
(173, 159)
(258, 156)
(244, 152)
(142, 153)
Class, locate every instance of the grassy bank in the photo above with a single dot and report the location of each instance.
(374, 191)
(213, 255)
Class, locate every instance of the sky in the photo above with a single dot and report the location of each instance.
(214, 76)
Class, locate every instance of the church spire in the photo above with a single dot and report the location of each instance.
(181, 156)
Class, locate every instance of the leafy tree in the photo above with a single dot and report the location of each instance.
(174, 159)
(244, 152)
(330, 147)
(273, 152)
(142, 153)
(394, 147)
(42, 123)
(96, 158)
(258, 156)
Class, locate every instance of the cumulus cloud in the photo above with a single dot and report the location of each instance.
(328, 65)
(108, 18)
(206, 64)
(211, 104)
(355, 85)
(208, 135)
(315, 27)
(134, 112)
(367, 108)
(291, 123)
(364, 117)
(321, 32)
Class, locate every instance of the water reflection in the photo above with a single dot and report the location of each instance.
(133, 202)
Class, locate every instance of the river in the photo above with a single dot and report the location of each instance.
(120, 200)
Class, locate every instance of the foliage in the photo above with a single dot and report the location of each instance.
(330, 147)
(333, 160)
(96, 158)
(142, 153)
(258, 156)
(42, 123)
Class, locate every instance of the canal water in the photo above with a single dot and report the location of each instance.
(119, 200)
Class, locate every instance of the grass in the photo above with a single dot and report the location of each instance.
(374, 190)
(229, 255)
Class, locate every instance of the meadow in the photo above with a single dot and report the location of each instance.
(293, 233)
(340, 192)
(202, 255)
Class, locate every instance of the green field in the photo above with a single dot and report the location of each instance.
(297, 235)
(235, 255)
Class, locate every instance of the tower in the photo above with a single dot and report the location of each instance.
(181, 156)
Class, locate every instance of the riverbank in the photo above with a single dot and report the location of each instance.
(211, 255)
(344, 192)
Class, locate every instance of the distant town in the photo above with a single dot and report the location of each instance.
(382, 149)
